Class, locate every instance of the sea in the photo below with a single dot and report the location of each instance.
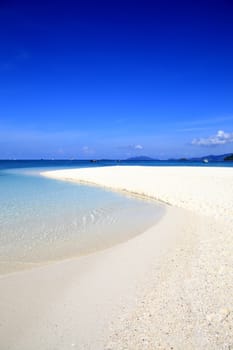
(44, 220)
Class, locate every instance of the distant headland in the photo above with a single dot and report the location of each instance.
(209, 158)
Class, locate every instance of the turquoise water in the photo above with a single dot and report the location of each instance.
(10, 164)
(43, 220)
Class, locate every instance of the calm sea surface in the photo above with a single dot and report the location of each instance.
(43, 220)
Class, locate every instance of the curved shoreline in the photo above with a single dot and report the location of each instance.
(168, 287)
(83, 301)
(130, 193)
(205, 191)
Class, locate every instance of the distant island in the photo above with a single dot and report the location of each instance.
(141, 158)
(210, 158)
(229, 158)
(214, 158)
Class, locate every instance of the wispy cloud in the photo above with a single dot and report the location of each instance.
(220, 138)
(12, 62)
(202, 124)
(87, 150)
(209, 121)
(192, 129)
(30, 133)
(137, 147)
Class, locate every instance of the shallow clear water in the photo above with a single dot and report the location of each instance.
(42, 220)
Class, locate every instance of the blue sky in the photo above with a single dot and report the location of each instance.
(113, 79)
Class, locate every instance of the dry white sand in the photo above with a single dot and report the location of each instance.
(169, 288)
(207, 191)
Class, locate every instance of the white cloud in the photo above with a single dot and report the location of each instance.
(87, 150)
(138, 147)
(220, 138)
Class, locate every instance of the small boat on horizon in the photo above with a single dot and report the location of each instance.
(205, 160)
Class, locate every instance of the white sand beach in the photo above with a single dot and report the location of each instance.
(168, 288)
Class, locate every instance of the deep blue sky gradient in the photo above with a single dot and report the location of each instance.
(112, 79)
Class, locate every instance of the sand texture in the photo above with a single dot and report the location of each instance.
(207, 191)
(168, 288)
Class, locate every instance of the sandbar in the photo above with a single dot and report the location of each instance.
(169, 288)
